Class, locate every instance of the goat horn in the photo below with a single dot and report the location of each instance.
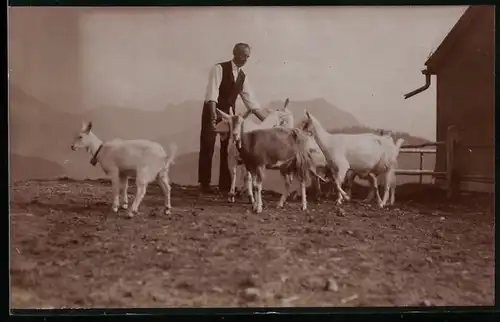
(286, 103)
(225, 115)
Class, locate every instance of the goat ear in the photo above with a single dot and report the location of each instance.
(224, 115)
(286, 103)
(306, 112)
(88, 128)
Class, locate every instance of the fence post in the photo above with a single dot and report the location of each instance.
(421, 166)
(451, 174)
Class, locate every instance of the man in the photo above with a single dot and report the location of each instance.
(227, 80)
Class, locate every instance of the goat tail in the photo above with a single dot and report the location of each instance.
(303, 158)
(303, 166)
(171, 156)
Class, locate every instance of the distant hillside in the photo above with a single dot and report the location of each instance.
(23, 168)
(39, 131)
(322, 110)
(179, 123)
(409, 139)
(33, 125)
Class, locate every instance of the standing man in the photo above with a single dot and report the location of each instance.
(227, 81)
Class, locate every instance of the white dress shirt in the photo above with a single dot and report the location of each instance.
(246, 94)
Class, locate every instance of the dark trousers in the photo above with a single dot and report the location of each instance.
(207, 144)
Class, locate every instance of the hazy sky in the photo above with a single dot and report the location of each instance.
(362, 59)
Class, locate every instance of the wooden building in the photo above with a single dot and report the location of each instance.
(464, 68)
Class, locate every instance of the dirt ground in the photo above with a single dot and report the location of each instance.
(69, 250)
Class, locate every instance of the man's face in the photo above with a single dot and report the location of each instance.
(241, 55)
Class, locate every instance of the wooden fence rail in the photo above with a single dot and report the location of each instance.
(413, 150)
(449, 144)
(451, 174)
(423, 145)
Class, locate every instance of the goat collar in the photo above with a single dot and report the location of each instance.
(93, 161)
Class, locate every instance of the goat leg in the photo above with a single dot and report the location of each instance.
(303, 195)
(254, 189)
(124, 188)
(341, 167)
(231, 194)
(258, 184)
(317, 189)
(286, 193)
(139, 195)
(249, 184)
(393, 193)
(163, 181)
(387, 185)
(244, 186)
(258, 208)
(115, 186)
(338, 179)
(374, 182)
(370, 196)
(350, 181)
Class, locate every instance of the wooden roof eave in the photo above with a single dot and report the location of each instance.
(463, 24)
(434, 62)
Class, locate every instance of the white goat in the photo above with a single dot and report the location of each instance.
(121, 159)
(272, 148)
(282, 117)
(391, 176)
(368, 155)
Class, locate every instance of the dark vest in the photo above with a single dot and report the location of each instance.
(229, 88)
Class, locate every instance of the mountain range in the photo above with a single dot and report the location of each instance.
(40, 136)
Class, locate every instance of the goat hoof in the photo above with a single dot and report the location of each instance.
(231, 199)
(125, 206)
(167, 211)
(131, 214)
(114, 209)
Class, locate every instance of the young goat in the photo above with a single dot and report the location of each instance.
(282, 117)
(368, 155)
(273, 148)
(121, 159)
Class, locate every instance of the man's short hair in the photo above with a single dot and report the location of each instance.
(240, 44)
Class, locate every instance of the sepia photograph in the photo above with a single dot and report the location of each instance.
(315, 156)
